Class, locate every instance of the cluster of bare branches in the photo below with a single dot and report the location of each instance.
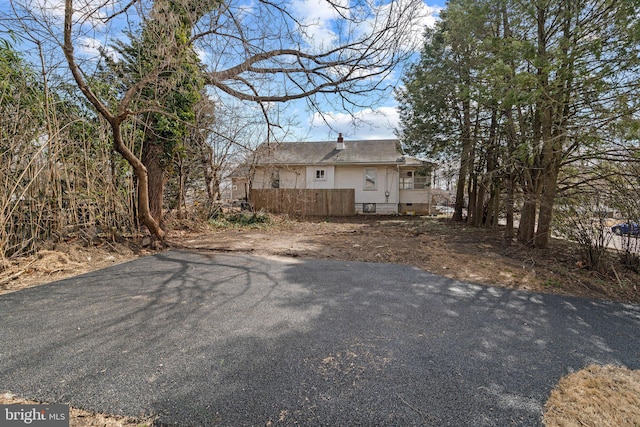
(76, 135)
(59, 178)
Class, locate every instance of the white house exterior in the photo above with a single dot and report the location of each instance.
(384, 180)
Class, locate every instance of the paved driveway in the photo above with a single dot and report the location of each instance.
(243, 340)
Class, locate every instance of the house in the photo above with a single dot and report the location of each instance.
(383, 180)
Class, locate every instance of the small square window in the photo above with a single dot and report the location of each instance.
(320, 175)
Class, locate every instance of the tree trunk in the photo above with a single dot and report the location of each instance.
(557, 111)
(181, 185)
(216, 186)
(206, 160)
(508, 231)
(526, 229)
(115, 121)
(492, 181)
(472, 192)
(465, 162)
(547, 200)
(462, 179)
(548, 181)
(480, 215)
(140, 171)
(494, 206)
(151, 158)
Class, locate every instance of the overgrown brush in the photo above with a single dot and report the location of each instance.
(240, 219)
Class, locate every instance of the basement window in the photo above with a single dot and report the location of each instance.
(369, 208)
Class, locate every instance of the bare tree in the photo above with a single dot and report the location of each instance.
(273, 52)
(267, 53)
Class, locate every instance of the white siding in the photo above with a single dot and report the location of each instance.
(353, 177)
(259, 181)
(289, 178)
(385, 195)
(415, 196)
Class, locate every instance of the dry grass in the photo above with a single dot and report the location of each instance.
(80, 418)
(597, 396)
(62, 260)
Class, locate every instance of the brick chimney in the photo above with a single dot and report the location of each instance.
(340, 145)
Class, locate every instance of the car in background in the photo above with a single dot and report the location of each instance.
(626, 228)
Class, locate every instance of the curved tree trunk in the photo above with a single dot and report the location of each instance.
(144, 213)
(115, 121)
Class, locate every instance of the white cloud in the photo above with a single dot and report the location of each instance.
(319, 10)
(91, 47)
(364, 124)
(317, 18)
(93, 12)
(322, 20)
(415, 18)
(203, 54)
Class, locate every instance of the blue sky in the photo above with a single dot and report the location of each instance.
(375, 121)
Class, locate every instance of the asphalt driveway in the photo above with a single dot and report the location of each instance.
(236, 340)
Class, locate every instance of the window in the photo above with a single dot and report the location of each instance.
(320, 175)
(368, 208)
(422, 182)
(275, 179)
(406, 183)
(370, 179)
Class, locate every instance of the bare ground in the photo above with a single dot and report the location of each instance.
(432, 244)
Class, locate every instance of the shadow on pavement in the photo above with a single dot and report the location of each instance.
(243, 340)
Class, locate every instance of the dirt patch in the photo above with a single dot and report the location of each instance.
(80, 418)
(57, 261)
(432, 244)
(603, 396)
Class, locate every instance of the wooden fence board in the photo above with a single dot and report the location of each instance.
(305, 202)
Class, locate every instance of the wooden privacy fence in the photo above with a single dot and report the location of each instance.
(305, 202)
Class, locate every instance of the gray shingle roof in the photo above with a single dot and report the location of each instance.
(384, 151)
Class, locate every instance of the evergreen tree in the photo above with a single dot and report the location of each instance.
(515, 90)
(165, 106)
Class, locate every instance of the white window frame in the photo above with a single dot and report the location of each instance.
(370, 179)
(406, 183)
(321, 175)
